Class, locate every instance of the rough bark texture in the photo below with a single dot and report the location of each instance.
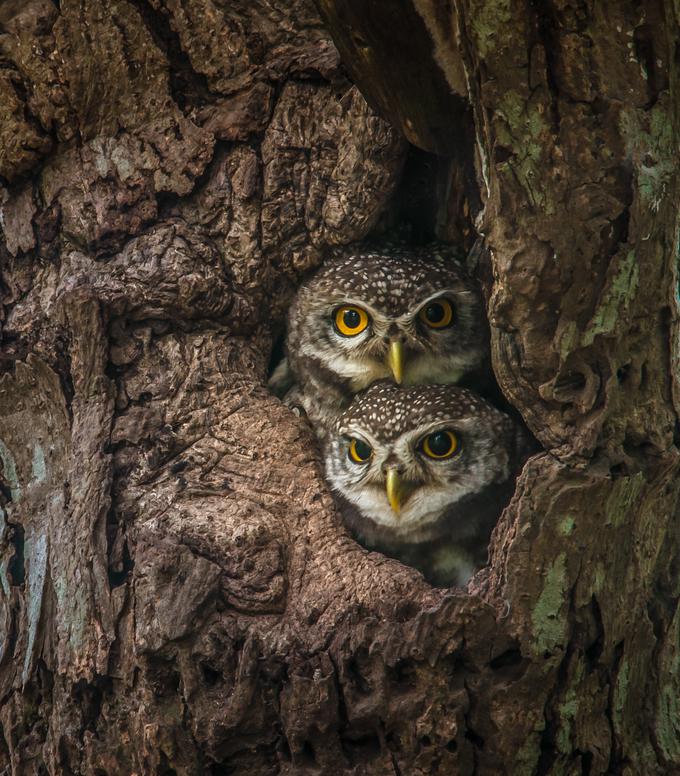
(177, 594)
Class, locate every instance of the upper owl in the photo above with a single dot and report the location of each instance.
(411, 315)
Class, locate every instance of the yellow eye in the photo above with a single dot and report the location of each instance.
(440, 445)
(437, 314)
(350, 320)
(359, 451)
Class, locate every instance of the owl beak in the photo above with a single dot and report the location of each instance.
(395, 489)
(395, 360)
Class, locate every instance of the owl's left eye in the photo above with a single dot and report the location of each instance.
(359, 451)
(350, 320)
(440, 445)
(437, 314)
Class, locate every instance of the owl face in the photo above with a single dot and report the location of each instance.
(412, 317)
(409, 459)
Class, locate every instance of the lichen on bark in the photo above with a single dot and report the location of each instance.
(177, 592)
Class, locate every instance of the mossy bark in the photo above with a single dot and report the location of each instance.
(177, 594)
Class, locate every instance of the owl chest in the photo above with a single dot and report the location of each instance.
(470, 519)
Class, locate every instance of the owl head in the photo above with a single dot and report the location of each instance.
(413, 316)
(420, 462)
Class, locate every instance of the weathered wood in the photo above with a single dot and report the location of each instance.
(176, 591)
(576, 112)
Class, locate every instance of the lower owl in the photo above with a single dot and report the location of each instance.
(423, 473)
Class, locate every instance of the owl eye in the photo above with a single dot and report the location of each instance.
(350, 320)
(440, 445)
(437, 314)
(359, 451)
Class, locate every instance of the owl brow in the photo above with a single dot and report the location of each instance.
(442, 292)
(351, 432)
(445, 424)
(352, 302)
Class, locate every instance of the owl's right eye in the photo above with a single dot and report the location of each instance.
(437, 314)
(440, 445)
(359, 451)
(350, 320)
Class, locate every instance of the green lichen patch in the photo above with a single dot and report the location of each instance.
(10, 471)
(621, 690)
(521, 125)
(488, 22)
(38, 467)
(615, 299)
(651, 143)
(568, 711)
(36, 549)
(528, 754)
(548, 622)
(668, 704)
(621, 499)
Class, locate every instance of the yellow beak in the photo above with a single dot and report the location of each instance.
(395, 360)
(394, 488)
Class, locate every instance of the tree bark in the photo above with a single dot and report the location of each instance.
(177, 594)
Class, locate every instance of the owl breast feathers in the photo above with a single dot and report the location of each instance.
(414, 316)
(422, 474)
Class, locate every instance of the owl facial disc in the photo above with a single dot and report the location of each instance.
(425, 452)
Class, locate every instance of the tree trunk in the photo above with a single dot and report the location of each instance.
(177, 594)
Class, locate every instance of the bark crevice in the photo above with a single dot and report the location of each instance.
(189, 600)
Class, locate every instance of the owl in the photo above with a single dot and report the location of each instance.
(423, 473)
(411, 315)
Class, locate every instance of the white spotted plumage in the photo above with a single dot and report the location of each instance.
(453, 503)
(323, 370)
